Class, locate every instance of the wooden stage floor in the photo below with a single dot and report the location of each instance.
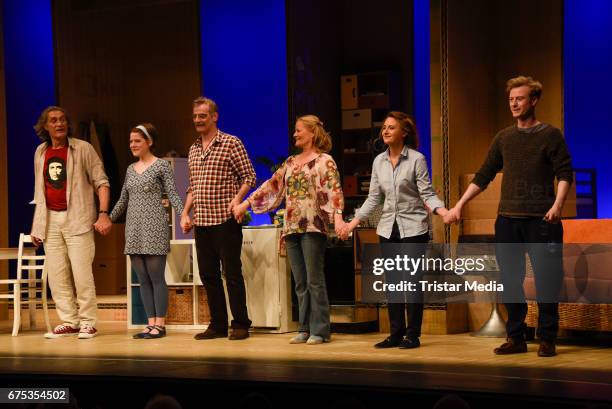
(443, 363)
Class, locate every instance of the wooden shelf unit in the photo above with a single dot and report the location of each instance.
(366, 98)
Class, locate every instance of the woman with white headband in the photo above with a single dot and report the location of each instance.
(147, 237)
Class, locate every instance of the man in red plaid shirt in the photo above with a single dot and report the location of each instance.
(220, 175)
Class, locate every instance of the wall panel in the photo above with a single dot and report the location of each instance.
(488, 43)
(123, 63)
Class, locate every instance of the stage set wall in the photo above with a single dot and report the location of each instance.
(246, 58)
(477, 46)
(347, 40)
(314, 63)
(120, 64)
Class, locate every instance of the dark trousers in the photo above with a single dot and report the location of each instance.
(414, 306)
(543, 242)
(222, 243)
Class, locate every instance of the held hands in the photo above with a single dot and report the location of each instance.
(103, 225)
(451, 216)
(346, 229)
(239, 210)
(235, 202)
(340, 228)
(446, 215)
(441, 211)
(186, 224)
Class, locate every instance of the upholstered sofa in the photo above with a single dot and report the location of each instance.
(586, 295)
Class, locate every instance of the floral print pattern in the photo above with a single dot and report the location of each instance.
(297, 185)
(312, 193)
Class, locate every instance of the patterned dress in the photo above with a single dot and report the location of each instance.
(312, 194)
(146, 225)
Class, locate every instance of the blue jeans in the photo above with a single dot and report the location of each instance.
(306, 252)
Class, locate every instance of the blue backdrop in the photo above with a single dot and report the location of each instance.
(30, 87)
(421, 80)
(588, 88)
(244, 69)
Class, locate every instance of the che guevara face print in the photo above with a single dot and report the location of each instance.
(56, 172)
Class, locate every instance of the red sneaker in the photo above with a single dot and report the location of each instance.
(62, 330)
(87, 331)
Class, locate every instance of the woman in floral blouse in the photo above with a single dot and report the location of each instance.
(310, 185)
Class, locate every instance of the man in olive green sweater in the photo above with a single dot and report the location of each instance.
(530, 154)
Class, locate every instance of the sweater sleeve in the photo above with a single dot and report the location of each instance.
(493, 163)
(560, 158)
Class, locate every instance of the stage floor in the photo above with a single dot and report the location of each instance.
(444, 362)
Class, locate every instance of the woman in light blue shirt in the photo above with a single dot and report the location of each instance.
(400, 180)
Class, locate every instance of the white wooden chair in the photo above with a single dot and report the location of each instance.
(29, 286)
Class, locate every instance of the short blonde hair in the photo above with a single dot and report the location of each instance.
(212, 105)
(322, 139)
(535, 87)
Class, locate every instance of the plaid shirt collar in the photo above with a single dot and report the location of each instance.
(217, 139)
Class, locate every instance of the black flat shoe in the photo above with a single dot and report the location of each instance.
(142, 335)
(239, 333)
(388, 343)
(161, 332)
(512, 346)
(409, 343)
(547, 348)
(210, 334)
